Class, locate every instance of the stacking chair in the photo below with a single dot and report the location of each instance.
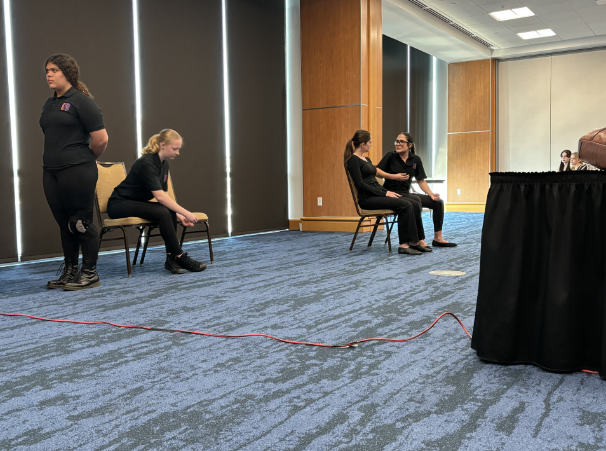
(202, 219)
(110, 176)
(382, 216)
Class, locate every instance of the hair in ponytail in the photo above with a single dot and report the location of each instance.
(71, 71)
(360, 137)
(412, 149)
(165, 136)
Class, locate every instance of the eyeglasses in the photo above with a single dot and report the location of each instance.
(399, 141)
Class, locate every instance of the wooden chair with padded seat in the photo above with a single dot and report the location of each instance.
(381, 216)
(110, 176)
(202, 219)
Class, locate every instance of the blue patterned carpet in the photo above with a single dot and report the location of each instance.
(67, 386)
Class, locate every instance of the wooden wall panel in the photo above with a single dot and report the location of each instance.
(330, 53)
(493, 115)
(469, 87)
(468, 166)
(375, 77)
(325, 133)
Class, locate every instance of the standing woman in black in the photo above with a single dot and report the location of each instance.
(74, 137)
(406, 162)
(372, 196)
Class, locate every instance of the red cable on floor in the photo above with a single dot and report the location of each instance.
(348, 345)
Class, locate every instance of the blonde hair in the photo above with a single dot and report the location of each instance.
(165, 136)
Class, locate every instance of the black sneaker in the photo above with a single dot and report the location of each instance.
(171, 265)
(186, 262)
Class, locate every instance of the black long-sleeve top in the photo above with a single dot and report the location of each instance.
(363, 174)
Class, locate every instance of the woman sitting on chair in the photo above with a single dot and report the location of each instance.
(147, 180)
(372, 196)
(405, 162)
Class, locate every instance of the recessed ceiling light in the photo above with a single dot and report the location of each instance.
(510, 14)
(537, 34)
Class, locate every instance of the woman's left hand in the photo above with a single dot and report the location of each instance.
(184, 220)
(435, 197)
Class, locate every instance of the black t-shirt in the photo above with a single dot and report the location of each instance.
(393, 164)
(147, 174)
(363, 174)
(67, 122)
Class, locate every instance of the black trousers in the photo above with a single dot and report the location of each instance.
(407, 227)
(424, 201)
(70, 193)
(154, 211)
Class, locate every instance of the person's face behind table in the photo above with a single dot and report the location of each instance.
(574, 161)
(55, 78)
(565, 159)
(402, 144)
(170, 150)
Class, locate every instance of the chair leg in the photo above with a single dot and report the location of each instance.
(388, 239)
(374, 230)
(101, 236)
(210, 246)
(356, 234)
(130, 272)
(149, 231)
(182, 236)
(141, 229)
(395, 217)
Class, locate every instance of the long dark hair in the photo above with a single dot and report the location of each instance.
(359, 137)
(70, 69)
(412, 149)
(568, 154)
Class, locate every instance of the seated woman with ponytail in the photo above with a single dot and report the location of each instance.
(372, 196)
(147, 180)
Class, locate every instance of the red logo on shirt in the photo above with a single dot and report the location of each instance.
(414, 165)
(65, 106)
(165, 177)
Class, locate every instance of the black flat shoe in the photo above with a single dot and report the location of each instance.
(421, 248)
(409, 251)
(438, 244)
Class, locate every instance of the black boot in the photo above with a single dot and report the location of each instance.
(87, 277)
(186, 262)
(68, 271)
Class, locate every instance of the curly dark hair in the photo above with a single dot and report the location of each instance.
(70, 69)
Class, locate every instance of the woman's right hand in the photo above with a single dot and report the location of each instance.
(392, 194)
(191, 217)
(400, 177)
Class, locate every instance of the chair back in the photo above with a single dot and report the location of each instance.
(354, 192)
(110, 176)
(171, 188)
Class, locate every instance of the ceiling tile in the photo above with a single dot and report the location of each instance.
(531, 3)
(544, 40)
(525, 28)
(551, 8)
(561, 26)
(511, 45)
(592, 16)
(582, 3)
(472, 20)
(505, 4)
(598, 26)
(559, 15)
(523, 21)
(577, 34)
(455, 11)
(600, 32)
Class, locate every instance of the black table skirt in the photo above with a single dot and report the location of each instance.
(542, 287)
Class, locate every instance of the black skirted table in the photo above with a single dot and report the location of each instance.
(542, 289)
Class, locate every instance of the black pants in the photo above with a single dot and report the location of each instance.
(154, 211)
(70, 193)
(407, 228)
(424, 201)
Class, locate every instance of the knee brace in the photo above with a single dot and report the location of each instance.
(79, 222)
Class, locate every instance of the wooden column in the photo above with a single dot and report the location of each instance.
(471, 133)
(341, 65)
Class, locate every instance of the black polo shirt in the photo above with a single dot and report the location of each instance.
(393, 164)
(147, 174)
(67, 122)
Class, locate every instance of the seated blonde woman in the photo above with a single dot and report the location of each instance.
(576, 164)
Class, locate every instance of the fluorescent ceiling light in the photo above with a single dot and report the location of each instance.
(537, 34)
(509, 14)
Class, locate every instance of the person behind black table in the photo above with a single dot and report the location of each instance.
(576, 164)
(404, 161)
(74, 137)
(565, 163)
(372, 196)
(147, 180)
